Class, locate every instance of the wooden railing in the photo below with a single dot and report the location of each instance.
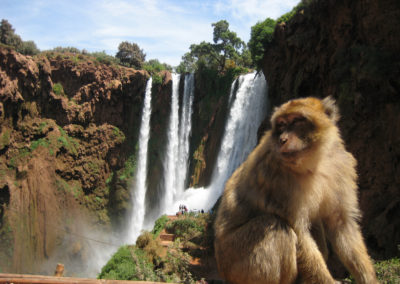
(41, 279)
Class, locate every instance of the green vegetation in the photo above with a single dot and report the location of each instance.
(129, 168)
(289, 15)
(261, 36)
(172, 264)
(157, 79)
(75, 189)
(226, 51)
(40, 142)
(128, 263)
(104, 58)
(68, 142)
(53, 142)
(58, 89)
(130, 55)
(10, 38)
(5, 138)
(154, 66)
(186, 227)
(118, 134)
(159, 225)
(387, 271)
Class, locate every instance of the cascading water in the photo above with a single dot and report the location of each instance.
(240, 137)
(175, 164)
(185, 127)
(171, 157)
(139, 188)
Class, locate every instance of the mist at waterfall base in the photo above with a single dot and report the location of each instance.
(246, 113)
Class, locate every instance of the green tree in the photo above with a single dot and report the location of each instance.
(261, 36)
(8, 36)
(28, 48)
(187, 65)
(131, 55)
(226, 43)
(226, 47)
(154, 65)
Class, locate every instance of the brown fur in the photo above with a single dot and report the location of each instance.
(298, 176)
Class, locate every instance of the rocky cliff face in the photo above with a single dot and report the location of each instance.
(350, 50)
(67, 141)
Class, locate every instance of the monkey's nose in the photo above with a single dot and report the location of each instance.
(282, 140)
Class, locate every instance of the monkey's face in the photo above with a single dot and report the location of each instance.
(300, 127)
(294, 135)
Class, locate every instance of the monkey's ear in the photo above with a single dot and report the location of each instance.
(331, 108)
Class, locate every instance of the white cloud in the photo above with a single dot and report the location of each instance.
(260, 9)
(163, 28)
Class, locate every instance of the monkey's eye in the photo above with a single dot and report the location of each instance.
(299, 119)
(280, 126)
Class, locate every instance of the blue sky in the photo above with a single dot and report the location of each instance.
(164, 29)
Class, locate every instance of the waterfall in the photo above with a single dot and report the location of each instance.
(179, 130)
(185, 127)
(248, 109)
(240, 137)
(139, 188)
(171, 157)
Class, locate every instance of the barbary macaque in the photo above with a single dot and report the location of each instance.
(299, 177)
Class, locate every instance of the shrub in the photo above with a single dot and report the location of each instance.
(177, 265)
(104, 58)
(184, 226)
(154, 66)
(40, 142)
(5, 139)
(159, 225)
(128, 169)
(58, 89)
(128, 263)
(150, 246)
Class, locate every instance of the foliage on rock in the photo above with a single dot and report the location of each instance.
(169, 264)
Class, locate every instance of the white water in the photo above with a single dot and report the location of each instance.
(240, 137)
(139, 187)
(185, 127)
(171, 156)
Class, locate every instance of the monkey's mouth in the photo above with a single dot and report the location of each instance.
(290, 154)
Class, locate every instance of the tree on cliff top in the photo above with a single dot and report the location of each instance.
(131, 55)
(226, 43)
(9, 37)
(227, 47)
(261, 36)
